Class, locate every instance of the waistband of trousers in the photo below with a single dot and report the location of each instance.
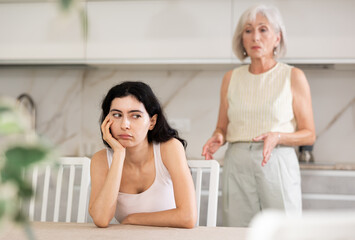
(252, 145)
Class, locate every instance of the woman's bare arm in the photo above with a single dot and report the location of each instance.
(105, 181)
(219, 135)
(302, 108)
(185, 214)
(105, 185)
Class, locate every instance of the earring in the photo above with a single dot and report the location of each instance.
(244, 53)
(275, 52)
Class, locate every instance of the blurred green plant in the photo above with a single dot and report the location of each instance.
(66, 4)
(20, 149)
(74, 5)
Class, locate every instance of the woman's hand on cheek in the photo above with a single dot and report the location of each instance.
(107, 136)
(270, 139)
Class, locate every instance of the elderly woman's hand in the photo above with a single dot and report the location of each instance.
(271, 139)
(212, 145)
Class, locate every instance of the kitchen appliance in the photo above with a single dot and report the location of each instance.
(305, 154)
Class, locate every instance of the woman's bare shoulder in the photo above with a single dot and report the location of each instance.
(99, 158)
(171, 145)
(228, 75)
(297, 73)
(298, 78)
(171, 149)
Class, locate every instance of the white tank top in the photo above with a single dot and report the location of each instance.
(259, 103)
(158, 197)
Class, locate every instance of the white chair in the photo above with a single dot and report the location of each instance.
(200, 167)
(66, 164)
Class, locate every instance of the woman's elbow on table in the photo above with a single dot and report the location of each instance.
(189, 220)
(189, 224)
(101, 223)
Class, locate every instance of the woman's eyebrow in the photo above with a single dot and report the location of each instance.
(115, 110)
(261, 23)
(131, 111)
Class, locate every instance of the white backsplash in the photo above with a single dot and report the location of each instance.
(68, 103)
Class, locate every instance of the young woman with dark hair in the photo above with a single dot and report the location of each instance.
(143, 93)
(142, 177)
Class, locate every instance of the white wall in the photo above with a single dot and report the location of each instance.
(68, 98)
(68, 104)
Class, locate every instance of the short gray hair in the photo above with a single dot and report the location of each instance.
(273, 15)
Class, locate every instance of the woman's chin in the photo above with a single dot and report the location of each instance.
(125, 143)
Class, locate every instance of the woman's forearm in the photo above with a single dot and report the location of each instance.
(103, 207)
(298, 138)
(220, 130)
(181, 218)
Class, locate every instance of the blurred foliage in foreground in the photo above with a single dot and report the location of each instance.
(20, 149)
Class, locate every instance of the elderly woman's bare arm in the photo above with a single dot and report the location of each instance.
(302, 108)
(219, 135)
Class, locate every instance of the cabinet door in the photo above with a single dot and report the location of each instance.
(145, 30)
(39, 30)
(315, 29)
(328, 189)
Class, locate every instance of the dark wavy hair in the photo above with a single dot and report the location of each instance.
(162, 131)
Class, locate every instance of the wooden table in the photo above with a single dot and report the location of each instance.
(88, 231)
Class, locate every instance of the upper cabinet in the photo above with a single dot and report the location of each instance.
(38, 31)
(166, 31)
(158, 30)
(317, 29)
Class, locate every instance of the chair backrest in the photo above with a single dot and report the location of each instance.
(199, 167)
(52, 178)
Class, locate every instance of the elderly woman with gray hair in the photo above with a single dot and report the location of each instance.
(265, 110)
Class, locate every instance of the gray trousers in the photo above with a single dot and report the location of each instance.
(248, 188)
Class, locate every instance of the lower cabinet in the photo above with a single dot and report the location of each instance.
(328, 189)
(321, 190)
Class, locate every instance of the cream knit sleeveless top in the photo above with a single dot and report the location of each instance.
(259, 103)
(158, 197)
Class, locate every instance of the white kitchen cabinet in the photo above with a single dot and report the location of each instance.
(321, 30)
(328, 189)
(159, 30)
(39, 30)
(167, 32)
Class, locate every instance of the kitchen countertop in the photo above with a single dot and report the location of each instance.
(327, 166)
(345, 166)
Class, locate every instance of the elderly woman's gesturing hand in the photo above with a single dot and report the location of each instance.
(271, 139)
(212, 145)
